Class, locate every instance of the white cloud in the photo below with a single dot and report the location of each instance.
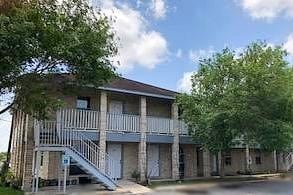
(185, 84)
(196, 55)
(139, 45)
(267, 9)
(179, 53)
(158, 8)
(289, 44)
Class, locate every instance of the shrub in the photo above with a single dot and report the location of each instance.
(135, 174)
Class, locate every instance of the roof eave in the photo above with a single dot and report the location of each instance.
(137, 93)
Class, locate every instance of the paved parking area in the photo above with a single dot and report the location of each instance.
(262, 187)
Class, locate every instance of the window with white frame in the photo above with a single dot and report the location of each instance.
(83, 103)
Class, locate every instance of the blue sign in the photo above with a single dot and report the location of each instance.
(65, 160)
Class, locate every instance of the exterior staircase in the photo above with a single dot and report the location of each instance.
(289, 161)
(53, 136)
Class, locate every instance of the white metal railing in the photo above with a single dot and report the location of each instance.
(159, 125)
(51, 133)
(89, 120)
(183, 128)
(289, 160)
(79, 119)
(123, 122)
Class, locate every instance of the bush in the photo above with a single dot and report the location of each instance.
(7, 178)
(135, 174)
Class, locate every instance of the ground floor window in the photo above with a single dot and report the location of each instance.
(258, 158)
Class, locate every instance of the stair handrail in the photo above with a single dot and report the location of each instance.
(289, 160)
(53, 133)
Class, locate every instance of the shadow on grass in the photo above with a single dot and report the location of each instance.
(10, 191)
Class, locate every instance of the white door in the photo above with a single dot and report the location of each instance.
(116, 107)
(114, 151)
(153, 160)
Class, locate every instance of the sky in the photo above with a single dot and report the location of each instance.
(161, 41)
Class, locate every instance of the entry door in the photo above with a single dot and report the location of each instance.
(116, 107)
(114, 151)
(153, 160)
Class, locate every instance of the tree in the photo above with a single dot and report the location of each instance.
(40, 39)
(244, 98)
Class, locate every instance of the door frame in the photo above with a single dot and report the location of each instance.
(159, 160)
(121, 159)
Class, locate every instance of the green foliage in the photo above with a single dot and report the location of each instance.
(246, 97)
(135, 175)
(7, 178)
(3, 156)
(42, 38)
(10, 191)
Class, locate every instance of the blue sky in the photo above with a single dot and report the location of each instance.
(201, 27)
(162, 40)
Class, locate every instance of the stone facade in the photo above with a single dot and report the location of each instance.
(175, 145)
(142, 154)
(165, 157)
(103, 126)
(190, 160)
(129, 159)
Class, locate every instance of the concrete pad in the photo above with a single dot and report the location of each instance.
(124, 187)
(133, 187)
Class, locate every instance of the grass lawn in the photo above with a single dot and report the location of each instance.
(10, 191)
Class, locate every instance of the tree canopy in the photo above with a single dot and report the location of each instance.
(244, 97)
(42, 38)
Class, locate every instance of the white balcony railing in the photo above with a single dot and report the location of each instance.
(183, 128)
(123, 122)
(159, 125)
(79, 119)
(90, 119)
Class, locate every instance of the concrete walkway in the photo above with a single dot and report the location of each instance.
(134, 188)
(124, 187)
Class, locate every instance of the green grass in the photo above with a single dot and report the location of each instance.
(10, 191)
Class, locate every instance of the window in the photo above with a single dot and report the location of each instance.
(228, 159)
(258, 158)
(83, 103)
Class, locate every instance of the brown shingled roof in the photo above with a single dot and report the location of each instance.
(135, 86)
(123, 84)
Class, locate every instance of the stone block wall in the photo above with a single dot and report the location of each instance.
(165, 161)
(130, 159)
(190, 161)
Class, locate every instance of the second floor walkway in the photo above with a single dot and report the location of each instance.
(89, 120)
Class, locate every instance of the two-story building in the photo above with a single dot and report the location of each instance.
(122, 130)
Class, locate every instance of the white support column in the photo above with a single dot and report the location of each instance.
(175, 145)
(102, 128)
(142, 144)
(206, 163)
(215, 163)
(275, 160)
(220, 167)
(247, 158)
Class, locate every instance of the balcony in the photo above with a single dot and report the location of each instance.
(88, 120)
